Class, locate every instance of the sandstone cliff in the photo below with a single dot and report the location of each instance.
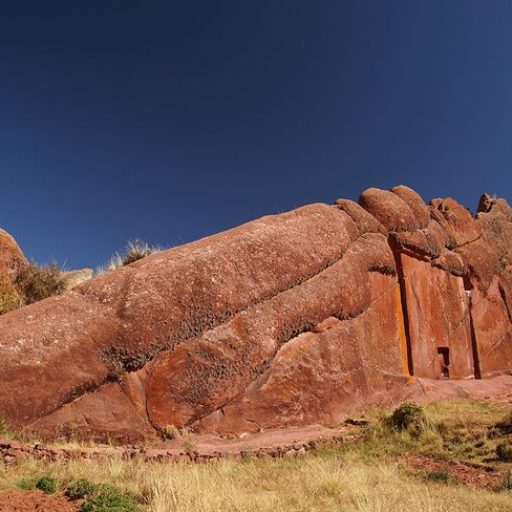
(291, 319)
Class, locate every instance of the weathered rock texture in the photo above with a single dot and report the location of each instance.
(291, 319)
(12, 260)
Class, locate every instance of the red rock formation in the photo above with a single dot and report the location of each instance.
(439, 323)
(12, 259)
(288, 320)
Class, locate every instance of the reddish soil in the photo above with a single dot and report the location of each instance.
(35, 501)
(475, 475)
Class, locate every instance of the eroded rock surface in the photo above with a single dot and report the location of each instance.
(292, 319)
(12, 259)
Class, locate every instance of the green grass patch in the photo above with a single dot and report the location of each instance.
(440, 477)
(107, 498)
(465, 430)
(45, 483)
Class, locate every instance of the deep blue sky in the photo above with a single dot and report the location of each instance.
(173, 120)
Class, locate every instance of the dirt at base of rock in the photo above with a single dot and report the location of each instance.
(473, 475)
(31, 501)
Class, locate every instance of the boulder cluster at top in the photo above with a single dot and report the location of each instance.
(297, 318)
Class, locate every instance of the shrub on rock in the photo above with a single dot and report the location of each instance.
(10, 297)
(38, 282)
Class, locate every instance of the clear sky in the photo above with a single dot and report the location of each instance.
(172, 120)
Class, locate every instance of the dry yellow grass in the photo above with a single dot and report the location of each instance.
(467, 412)
(10, 298)
(313, 483)
(359, 476)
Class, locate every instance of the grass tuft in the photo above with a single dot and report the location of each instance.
(6, 432)
(10, 297)
(506, 483)
(135, 250)
(504, 451)
(441, 477)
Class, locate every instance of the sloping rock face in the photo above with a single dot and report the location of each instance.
(291, 319)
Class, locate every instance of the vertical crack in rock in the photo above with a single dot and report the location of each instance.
(474, 345)
(395, 249)
(504, 299)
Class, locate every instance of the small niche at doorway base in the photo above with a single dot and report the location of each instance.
(443, 354)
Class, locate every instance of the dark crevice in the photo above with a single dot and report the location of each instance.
(474, 345)
(395, 249)
(469, 242)
(84, 388)
(77, 392)
(504, 299)
(412, 252)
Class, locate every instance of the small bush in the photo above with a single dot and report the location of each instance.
(504, 452)
(409, 417)
(100, 497)
(80, 489)
(170, 432)
(47, 484)
(107, 498)
(441, 477)
(38, 282)
(506, 483)
(505, 425)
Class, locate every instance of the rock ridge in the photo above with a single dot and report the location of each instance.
(289, 320)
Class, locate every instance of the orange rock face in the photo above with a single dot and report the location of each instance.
(291, 319)
(439, 321)
(12, 259)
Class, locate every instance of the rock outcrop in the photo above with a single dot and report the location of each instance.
(12, 259)
(292, 319)
(73, 278)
